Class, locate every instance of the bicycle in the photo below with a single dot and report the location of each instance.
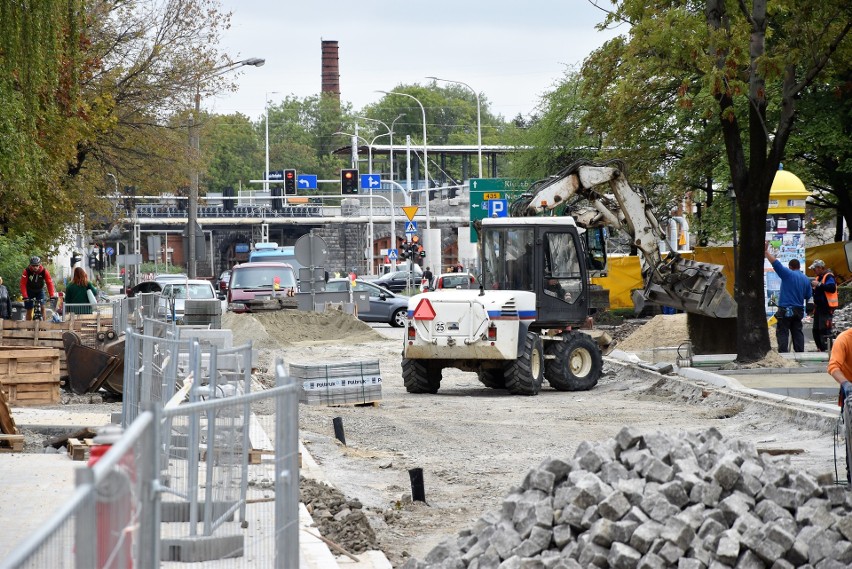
(37, 307)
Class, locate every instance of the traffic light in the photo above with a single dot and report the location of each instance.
(349, 181)
(93, 261)
(289, 182)
(75, 258)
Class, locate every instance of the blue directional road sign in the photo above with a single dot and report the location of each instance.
(371, 181)
(393, 254)
(411, 227)
(498, 208)
(110, 251)
(306, 182)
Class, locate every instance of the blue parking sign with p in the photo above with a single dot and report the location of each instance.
(498, 208)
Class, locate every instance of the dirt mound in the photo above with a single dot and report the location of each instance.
(291, 327)
(663, 330)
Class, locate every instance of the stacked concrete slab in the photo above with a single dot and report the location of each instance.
(648, 501)
(341, 383)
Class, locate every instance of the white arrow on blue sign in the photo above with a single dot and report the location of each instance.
(393, 255)
(411, 227)
(306, 182)
(498, 208)
(373, 181)
(110, 251)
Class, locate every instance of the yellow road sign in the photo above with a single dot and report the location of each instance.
(410, 210)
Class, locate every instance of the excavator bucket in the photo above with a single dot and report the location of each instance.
(689, 286)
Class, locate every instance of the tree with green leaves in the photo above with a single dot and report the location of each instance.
(41, 112)
(820, 150)
(743, 67)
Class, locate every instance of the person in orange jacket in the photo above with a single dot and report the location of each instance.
(840, 368)
(825, 302)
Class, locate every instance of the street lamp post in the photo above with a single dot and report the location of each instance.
(389, 133)
(192, 213)
(478, 118)
(355, 138)
(425, 151)
(266, 173)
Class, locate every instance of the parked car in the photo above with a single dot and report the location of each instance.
(259, 281)
(454, 280)
(165, 278)
(398, 281)
(385, 306)
(174, 295)
(222, 284)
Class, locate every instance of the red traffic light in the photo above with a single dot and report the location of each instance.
(289, 174)
(349, 181)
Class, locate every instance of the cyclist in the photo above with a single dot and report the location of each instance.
(33, 281)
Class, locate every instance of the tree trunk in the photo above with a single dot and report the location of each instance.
(752, 331)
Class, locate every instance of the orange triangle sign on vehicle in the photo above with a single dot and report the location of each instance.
(410, 210)
(424, 310)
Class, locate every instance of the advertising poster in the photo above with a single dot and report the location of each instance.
(785, 246)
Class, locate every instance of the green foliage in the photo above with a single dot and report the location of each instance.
(15, 253)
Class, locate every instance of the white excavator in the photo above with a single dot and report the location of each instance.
(525, 323)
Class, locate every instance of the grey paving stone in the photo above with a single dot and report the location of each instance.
(670, 552)
(651, 561)
(678, 532)
(623, 530)
(601, 532)
(644, 535)
(628, 437)
(622, 556)
(728, 549)
(614, 506)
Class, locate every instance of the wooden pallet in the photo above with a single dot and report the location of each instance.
(11, 443)
(30, 375)
(79, 449)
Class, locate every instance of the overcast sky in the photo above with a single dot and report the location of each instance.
(511, 52)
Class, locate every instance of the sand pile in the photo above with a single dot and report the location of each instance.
(290, 327)
(663, 330)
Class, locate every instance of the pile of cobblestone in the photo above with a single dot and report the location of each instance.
(843, 318)
(687, 500)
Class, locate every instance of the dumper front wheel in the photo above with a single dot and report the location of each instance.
(576, 365)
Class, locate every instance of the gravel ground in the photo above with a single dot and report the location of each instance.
(474, 443)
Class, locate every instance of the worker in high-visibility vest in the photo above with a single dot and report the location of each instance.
(825, 302)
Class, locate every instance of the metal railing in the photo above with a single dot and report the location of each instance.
(127, 509)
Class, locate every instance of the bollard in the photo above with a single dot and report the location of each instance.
(418, 491)
(338, 429)
(115, 506)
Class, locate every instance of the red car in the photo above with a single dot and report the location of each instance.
(222, 284)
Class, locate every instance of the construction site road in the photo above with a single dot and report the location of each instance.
(475, 443)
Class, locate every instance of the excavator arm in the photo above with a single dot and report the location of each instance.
(671, 280)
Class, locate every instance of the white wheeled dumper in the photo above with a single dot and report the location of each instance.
(525, 323)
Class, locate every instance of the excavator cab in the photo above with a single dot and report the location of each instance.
(544, 255)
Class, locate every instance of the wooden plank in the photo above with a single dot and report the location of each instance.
(258, 439)
(62, 440)
(7, 422)
(12, 443)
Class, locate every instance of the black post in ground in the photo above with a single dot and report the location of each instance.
(418, 492)
(338, 430)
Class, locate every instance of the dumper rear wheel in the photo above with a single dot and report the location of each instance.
(421, 376)
(576, 365)
(492, 378)
(525, 375)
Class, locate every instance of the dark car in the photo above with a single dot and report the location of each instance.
(398, 281)
(222, 284)
(144, 287)
(385, 306)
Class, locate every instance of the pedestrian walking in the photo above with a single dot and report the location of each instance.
(5, 301)
(825, 302)
(795, 290)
